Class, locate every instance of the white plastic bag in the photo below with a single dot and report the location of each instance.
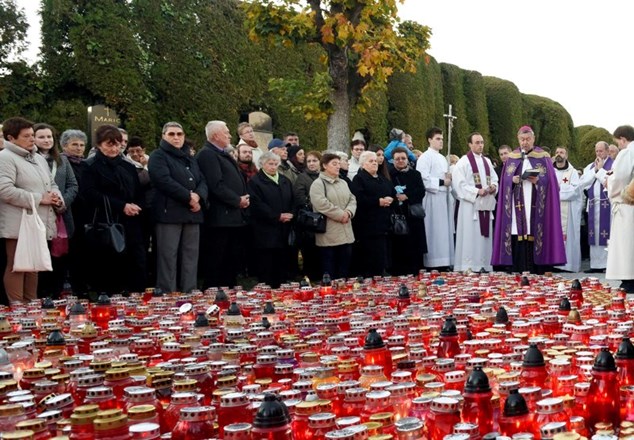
(31, 253)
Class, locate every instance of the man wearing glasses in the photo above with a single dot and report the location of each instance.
(356, 148)
(180, 192)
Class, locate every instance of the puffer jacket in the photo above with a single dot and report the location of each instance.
(332, 197)
(23, 173)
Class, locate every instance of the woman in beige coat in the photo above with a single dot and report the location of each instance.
(23, 174)
(332, 197)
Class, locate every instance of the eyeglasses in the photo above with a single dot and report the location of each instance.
(400, 158)
(172, 133)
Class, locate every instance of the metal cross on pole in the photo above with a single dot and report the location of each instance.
(450, 118)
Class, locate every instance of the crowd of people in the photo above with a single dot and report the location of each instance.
(181, 219)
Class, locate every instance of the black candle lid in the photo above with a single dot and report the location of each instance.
(477, 382)
(201, 320)
(533, 357)
(326, 280)
(272, 413)
(269, 309)
(576, 285)
(564, 304)
(77, 309)
(524, 281)
(373, 340)
(501, 317)
(403, 291)
(221, 296)
(449, 327)
(55, 337)
(625, 350)
(234, 310)
(47, 303)
(515, 404)
(604, 361)
(103, 300)
(265, 322)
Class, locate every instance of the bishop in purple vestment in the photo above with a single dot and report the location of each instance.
(528, 233)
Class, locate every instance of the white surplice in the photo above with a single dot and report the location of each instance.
(590, 178)
(570, 196)
(473, 251)
(621, 244)
(438, 221)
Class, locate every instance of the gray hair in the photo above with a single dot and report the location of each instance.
(214, 127)
(269, 155)
(69, 135)
(365, 156)
(171, 124)
(341, 154)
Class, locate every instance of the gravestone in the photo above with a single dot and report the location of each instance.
(99, 115)
(262, 129)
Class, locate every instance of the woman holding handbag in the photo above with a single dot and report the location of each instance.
(331, 196)
(113, 196)
(408, 250)
(25, 180)
(51, 283)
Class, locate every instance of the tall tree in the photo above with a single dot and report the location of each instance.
(12, 31)
(362, 45)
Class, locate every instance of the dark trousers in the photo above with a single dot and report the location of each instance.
(221, 255)
(373, 255)
(523, 257)
(335, 260)
(271, 266)
(408, 250)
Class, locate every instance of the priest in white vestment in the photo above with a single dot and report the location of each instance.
(434, 168)
(475, 182)
(621, 244)
(594, 180)
(570, 200)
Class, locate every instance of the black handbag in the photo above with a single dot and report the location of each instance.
(108, 235)
(310, 220)
(416, 210)
(399, 224)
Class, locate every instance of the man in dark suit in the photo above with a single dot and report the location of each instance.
(225, 216)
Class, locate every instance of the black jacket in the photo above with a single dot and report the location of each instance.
(225, 186)
(301, 187)
(175, 175)
(371, 219)
(268, 201)
(415, 188)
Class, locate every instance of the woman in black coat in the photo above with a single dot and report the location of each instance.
(179, 192)
(407, 250)
(306, 239)
(271, 215)
(110, 178)
(375, 196)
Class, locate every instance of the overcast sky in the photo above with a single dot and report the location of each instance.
(576, 53)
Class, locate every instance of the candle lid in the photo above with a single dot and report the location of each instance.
(477, 382)
(515, 404)
(533, 357)
(449, 327)
(501, 317)
(626, 349)
(272, 413)
(373, 340)
(604, 361)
